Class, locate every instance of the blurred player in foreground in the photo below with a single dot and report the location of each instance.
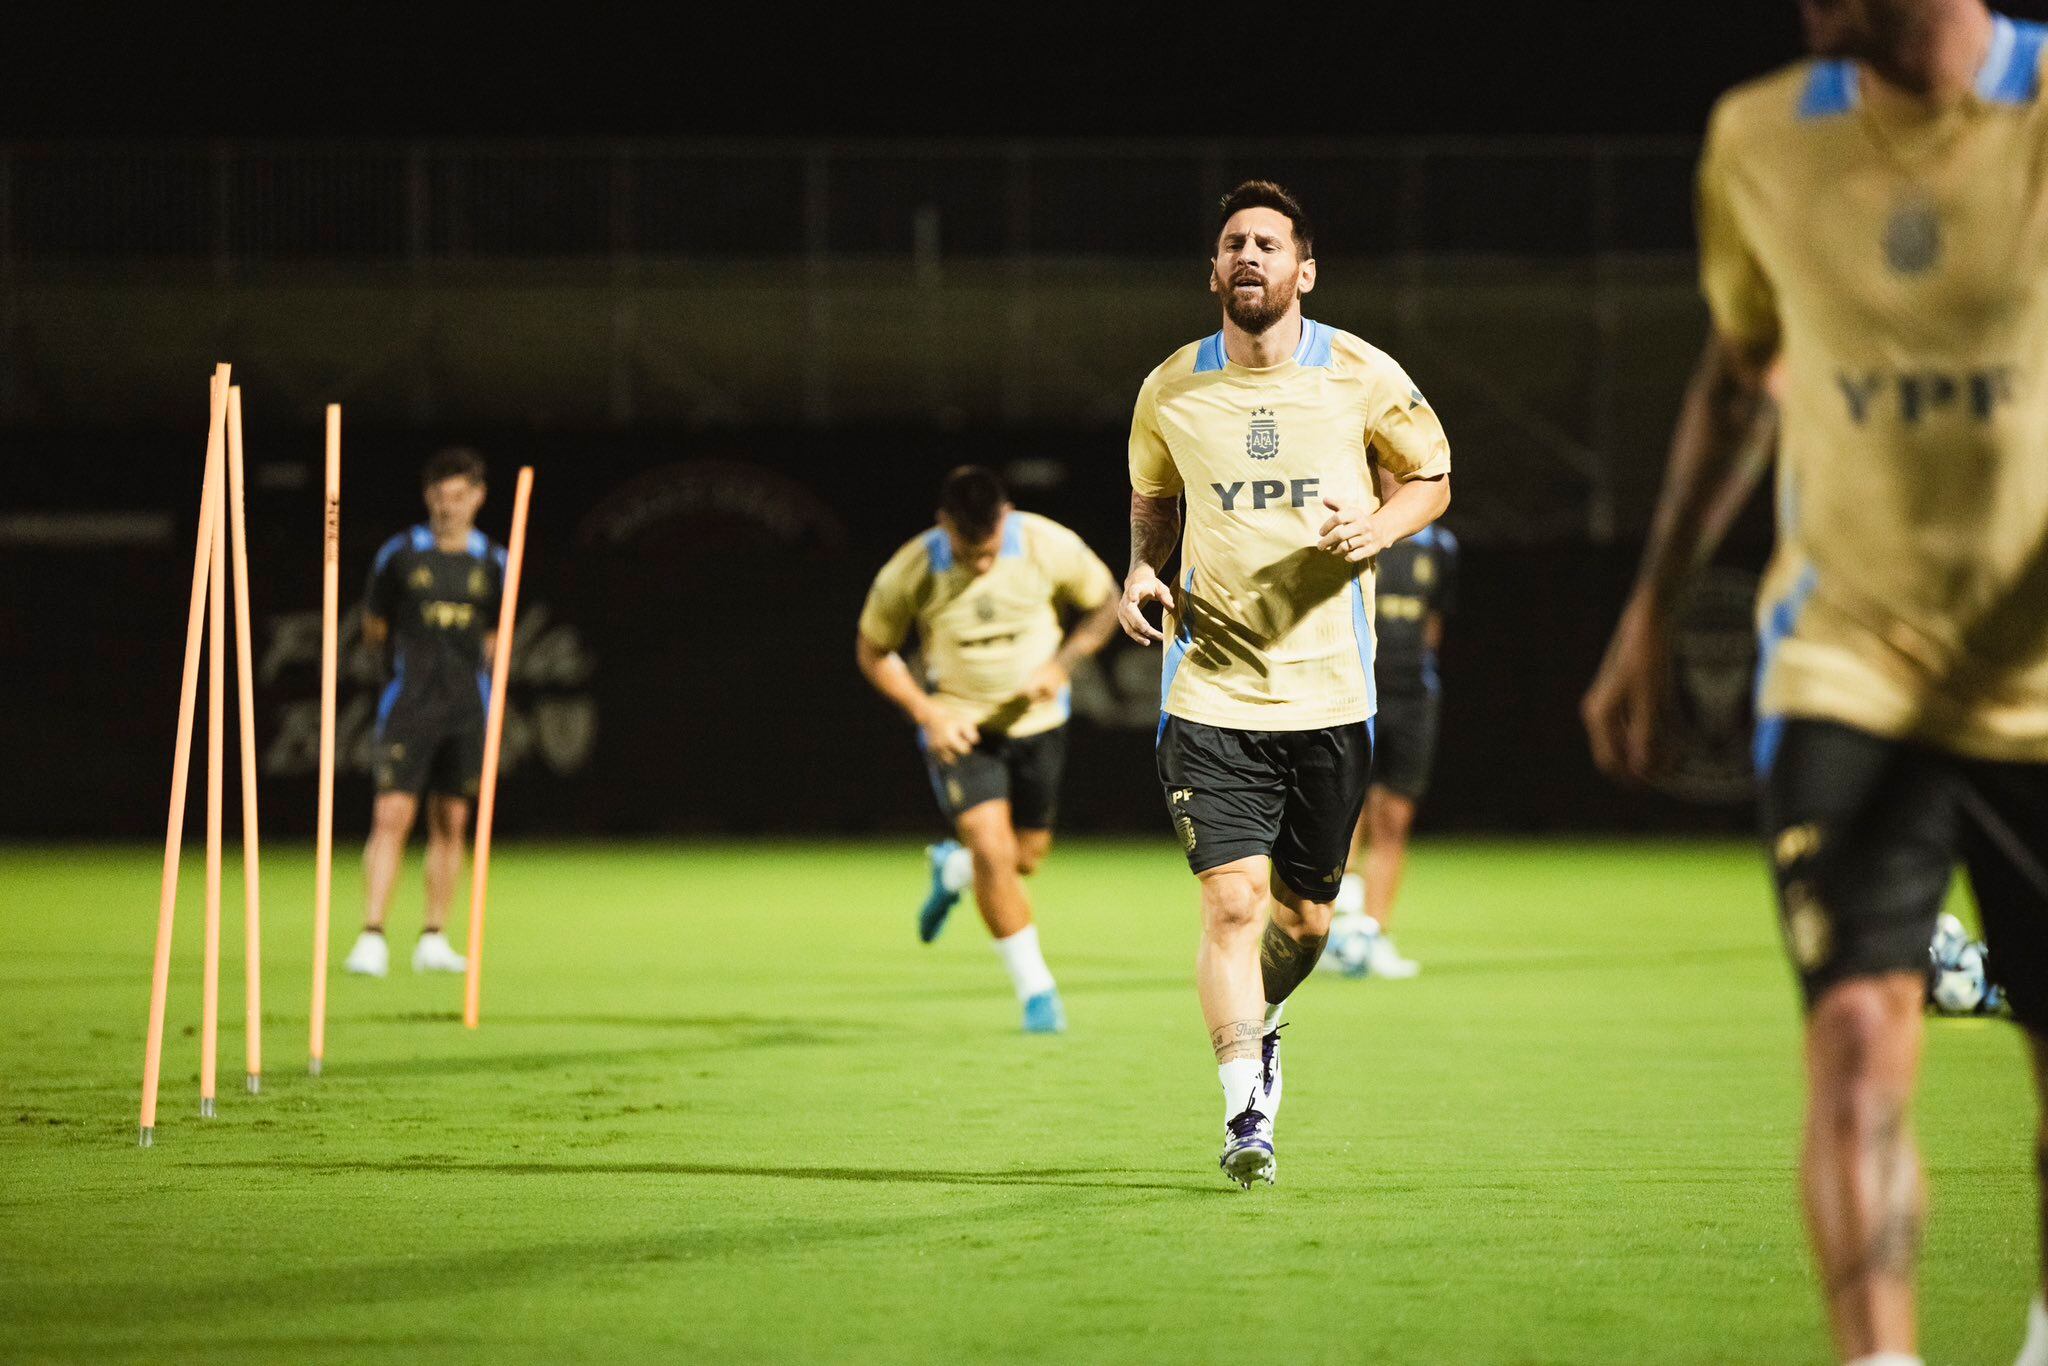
(433, 601)
(1877, 219)
(985, 589)
(1416, 589)
(1272, 429)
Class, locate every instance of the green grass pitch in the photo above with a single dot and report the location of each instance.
(725, 1108)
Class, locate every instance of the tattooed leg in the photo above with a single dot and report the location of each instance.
(1865, 1198)
(1293, 942)
(1238, 1040)
(1285, 961)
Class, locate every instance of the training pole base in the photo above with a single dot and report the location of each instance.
(206, 1107)
(148, 1139)
(313, 1067)
(255, 1083)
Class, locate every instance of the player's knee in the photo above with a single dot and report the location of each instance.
(1232, 904)
(1030, 853)
(992, 845)
(448, 820)
(392, 816)
(1860, 1034)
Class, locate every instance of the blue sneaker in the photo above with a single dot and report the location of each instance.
(931, 917)
(1248, 1149)
(1043, 1014)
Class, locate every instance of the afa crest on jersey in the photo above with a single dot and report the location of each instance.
(1262, 440)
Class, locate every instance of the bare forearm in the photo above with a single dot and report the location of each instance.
(1411, 507)
(1155, 529)
(1717, 425)
(1089, 635)
(886, 672)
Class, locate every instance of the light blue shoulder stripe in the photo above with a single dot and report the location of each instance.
(423, 538)
(2011, 73)
(1210, 355)
(1013, 537)
(938, 548)
(1314, 351)
(387, 550)
(1830, 90)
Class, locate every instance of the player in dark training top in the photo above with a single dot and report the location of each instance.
(1415, 590)
(432, 604)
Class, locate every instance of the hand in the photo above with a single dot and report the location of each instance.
(1624, 707)
(948, 738)
(1047, 681)
(1141, 587)
(1350, 533)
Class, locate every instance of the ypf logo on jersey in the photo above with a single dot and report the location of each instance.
(1262, 439)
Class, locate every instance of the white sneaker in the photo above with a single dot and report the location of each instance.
(1388, 962)
(371, 957)
(433, 954)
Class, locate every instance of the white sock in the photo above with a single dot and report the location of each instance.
(1243, 1082)
(1273, 1016)
(2035, 1353)
(1351, 895)
(957, 872)
(1886, 1359)
(1028, 972)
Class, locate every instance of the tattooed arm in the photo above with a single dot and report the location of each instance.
(1716, 426)
(1155, 527)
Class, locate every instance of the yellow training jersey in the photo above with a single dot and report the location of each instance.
(1271, 632)
(983, 637)
(1897, 259)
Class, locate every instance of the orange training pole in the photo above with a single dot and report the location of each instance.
(216, 675)
(494, 735)
(181, 757)
(245, 676)
(323, 864)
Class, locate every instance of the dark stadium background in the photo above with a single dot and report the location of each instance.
(742, 286)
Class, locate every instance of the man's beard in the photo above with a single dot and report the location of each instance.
(1257, 315)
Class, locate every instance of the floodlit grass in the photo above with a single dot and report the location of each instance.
(725, 1108)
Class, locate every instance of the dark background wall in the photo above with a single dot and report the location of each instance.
(684, 661)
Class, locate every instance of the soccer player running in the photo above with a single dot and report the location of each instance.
(985, 590)
(1877, 220)
(1416, 589)
(433, 601)
(1272, 429)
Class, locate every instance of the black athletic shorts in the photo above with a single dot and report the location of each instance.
(422, 753)
(1024, 772)
(1863, 834)
(1404, 743)
(1292, 795)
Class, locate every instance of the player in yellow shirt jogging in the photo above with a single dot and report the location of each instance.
(1875, 222)
(985, 590)
(1272, 430)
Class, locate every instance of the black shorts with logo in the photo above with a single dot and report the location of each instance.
(420, 751)
(1292, 795)
(1404, 743)
(1863, 834)
(1024, 772)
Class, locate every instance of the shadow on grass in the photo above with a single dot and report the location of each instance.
(1068, 1178)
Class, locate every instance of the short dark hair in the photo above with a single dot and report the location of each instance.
(1268, 194)
(973, 497)
(456, 462)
